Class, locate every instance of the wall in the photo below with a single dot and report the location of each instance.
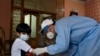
(70, 4)
(5, 16)
(59, 9)
(93, 9)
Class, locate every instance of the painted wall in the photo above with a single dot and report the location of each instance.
(5, 16)
(70, 4)
(93, 9)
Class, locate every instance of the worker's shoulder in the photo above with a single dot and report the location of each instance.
(75, 19)
(72, 18)
(62, 19)
(82, 18)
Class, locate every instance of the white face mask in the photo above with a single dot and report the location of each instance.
(50, 35)
(24, 37)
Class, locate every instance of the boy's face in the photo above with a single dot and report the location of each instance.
(50, 34)
(51, 29)
(23, 36)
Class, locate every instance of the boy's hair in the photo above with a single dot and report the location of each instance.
(24, 28)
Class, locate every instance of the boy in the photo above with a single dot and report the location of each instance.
(23, 32)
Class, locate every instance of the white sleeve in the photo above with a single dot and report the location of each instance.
(24, 46)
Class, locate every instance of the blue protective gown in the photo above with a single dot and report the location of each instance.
(76, 36)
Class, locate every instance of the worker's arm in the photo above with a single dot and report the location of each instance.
(62, 42)
(62, 39)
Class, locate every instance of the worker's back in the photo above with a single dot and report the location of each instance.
(84, 35)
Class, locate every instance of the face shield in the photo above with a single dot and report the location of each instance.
(45, 25)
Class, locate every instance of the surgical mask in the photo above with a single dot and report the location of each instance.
(24, 37)
(50, 35)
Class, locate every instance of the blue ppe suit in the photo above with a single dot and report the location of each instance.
(76, 36)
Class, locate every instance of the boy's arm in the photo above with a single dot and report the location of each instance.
(25, 47)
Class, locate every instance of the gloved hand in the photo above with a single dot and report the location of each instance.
(39, 51)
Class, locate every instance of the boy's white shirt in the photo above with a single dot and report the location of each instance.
(19, 45)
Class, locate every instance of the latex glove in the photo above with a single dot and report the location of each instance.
(39, 51)
(30, 50)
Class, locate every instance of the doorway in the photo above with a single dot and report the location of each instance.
(33, 19)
